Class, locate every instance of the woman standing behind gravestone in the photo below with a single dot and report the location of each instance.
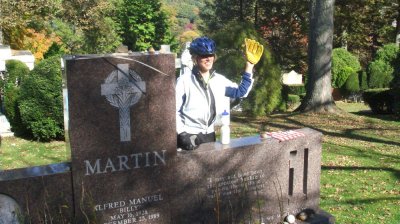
(202, 94)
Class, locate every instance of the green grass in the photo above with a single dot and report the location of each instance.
(353, 107)
(360, 180)
(18, 153)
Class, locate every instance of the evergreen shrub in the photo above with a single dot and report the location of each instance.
(381, 101)
(352, 84)
(380, 74)
(296, 89)
(395, 85)
(291, 95)
(363, 79)
(265, 96)
(343, 65)
(54, 50)
(282, 105)
(292, 101)
(388, 53)
(283, 99)
(382, 70)
(41, 103)
(16, 71)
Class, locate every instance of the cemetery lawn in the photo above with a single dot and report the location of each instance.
(17, 153)
(360, 180)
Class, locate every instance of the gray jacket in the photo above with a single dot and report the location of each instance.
(193, 101)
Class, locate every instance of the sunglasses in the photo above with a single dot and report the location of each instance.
(206, 55)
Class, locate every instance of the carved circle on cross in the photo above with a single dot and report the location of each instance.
(125, 93)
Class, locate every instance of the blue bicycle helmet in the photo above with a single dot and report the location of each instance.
(202, 46)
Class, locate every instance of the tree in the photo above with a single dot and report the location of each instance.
(72, 38)
(362, 26)
(143, 24)
(39, 42)
(284, 26)
(282, 23)
(187, 36)
(216, 14)
(92, 25)
(180, 13)
(397, 5)
(382, 70)
(319, 96)
(171, 11)
(18, 16)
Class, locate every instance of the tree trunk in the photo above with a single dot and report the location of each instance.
(398, 24)
(256, 15)
(319, 92)
(241, 11)
(1, 29)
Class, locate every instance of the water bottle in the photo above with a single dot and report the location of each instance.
(225, 129)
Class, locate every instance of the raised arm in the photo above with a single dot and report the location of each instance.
(254, 51)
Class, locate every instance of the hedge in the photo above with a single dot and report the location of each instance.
(352, 84)
(380, 74)
(343, 64)
(41, 102)
(16, 71)
(381, 101)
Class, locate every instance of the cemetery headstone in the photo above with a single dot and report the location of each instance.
(121, 130)
(252, 180)
(41, 194)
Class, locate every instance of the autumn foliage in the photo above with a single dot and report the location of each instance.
(39, 42)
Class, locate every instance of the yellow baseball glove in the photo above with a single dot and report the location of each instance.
(254, 50)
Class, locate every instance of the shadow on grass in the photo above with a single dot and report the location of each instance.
(370, 200)
(365, 200)
(385, 117)
(366, 153)
(395, 172)
(291, 123)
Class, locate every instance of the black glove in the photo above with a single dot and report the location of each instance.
(187, 141)
(204, 138)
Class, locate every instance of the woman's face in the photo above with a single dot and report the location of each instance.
(205, 62)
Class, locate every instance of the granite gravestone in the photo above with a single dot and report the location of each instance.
(252, 180)
(122, 135)
(41, 194)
